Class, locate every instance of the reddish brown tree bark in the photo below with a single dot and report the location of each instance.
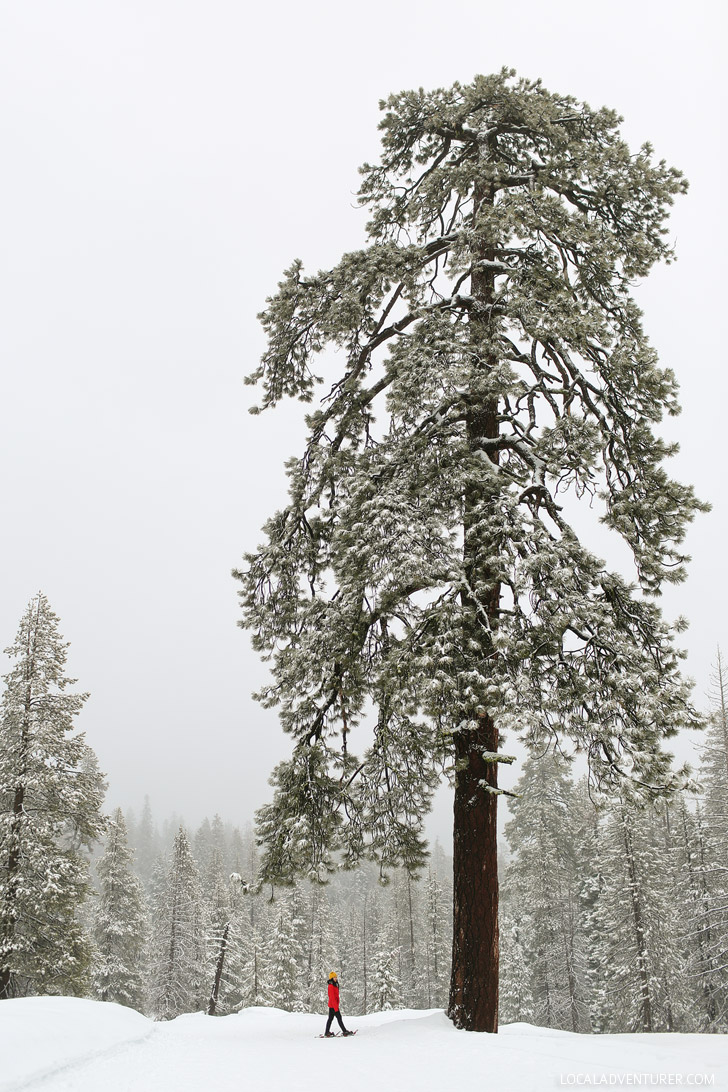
(474, 982)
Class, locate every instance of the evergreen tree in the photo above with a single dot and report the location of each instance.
(710, 862)
(543, 876)
(437, 931)
(516, 999)
(219, 843)
(50, 800)
(714, 764)
(320, 948)
(237, 853)
(352, 911)
(178, 938)
(386, 988)
(203, 846)
(158, 881)
(147, 844)
(284, 955)
(253, 983)
(413, 974)
(492, 360)
(638, 959)
(225, 922)
(120, 923)
(698, 979)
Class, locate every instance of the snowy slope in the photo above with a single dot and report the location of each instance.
(64, 1044)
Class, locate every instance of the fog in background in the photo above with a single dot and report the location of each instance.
(163, 162)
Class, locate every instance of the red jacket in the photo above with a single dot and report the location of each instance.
(333, 996)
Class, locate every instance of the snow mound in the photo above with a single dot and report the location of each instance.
(67, 1045)
(41, 1036)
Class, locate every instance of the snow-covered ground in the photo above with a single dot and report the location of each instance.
(62, 1044)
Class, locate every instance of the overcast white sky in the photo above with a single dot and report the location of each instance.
(163, 162)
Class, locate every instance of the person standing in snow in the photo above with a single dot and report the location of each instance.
(334, 1007)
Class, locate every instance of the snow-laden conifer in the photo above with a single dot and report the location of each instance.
(202, 847)
(50, 800)
(428, 574)
(352, 908)
(386, 985)
(436, 928)
(284, 956)
(709, 865)
(120, 923)
(703, 971)
(320, 950)
(516, 997)
(637, 950)
(714, 763)
(543, 880)
(417, 970)
(225, 922)
(146, 843)
(178, 937)
(253, 977)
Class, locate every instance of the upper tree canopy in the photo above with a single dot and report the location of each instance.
(492, 368)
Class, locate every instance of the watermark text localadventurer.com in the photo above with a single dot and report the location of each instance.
(637, 1080)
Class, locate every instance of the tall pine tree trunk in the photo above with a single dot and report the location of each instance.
(474, 980)
(473, 1003)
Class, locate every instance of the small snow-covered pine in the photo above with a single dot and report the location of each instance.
(120, 923)
(542, 882)
(177, 937)
(708, 867)
(284, 957)
(51, 793)
(637, 953)
(386, 986)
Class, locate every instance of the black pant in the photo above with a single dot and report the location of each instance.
(334, 1013)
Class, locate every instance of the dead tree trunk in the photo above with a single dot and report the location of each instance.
(214, 996)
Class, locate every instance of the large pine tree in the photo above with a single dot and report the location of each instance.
(427, 574)
(51, 794)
